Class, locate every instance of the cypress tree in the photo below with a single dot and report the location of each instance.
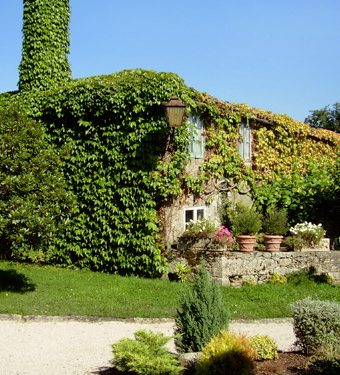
(45, 46)
(201, 313)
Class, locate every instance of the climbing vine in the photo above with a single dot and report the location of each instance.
(45, 46)
(125, 162)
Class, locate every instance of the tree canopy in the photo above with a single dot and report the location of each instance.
(326, 118)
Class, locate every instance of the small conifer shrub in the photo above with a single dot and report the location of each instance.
(227, 353)
(201, 314)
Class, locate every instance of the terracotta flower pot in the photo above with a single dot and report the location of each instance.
(246, 243)
(272, 242)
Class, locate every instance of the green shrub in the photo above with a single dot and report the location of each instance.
(294, 243)
(227, 353)
(201, 313)
(275, 222)
(145, 355)
(265, 346)
(316, 324)
(326, 361)
(299, 277)
(295, 190)
(35, 203)
(277, 279)
(247, 222)
(307, 275)
(182, 271)
(324, 366)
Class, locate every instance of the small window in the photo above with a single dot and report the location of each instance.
(196, 146)
(194, 214)
(245, 142)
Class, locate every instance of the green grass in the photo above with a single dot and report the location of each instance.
(47, 290)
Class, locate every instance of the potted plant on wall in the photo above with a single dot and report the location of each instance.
(245, 226)
(274, 228)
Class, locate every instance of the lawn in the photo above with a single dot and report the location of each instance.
(46, 290)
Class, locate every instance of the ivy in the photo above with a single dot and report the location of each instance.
(124, 161)
(126, 164)
(46, 43)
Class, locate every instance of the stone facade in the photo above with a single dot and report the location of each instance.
(232, 268)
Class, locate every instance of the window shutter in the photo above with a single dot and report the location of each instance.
(245, 143)
(196, 146)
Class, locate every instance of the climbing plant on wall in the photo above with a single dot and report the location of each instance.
(44, 63)
(126, 163)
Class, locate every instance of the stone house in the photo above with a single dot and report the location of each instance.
(179, 212)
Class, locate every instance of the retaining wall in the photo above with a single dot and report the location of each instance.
(234, 267)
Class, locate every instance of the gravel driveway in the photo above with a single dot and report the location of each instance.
(82, 346)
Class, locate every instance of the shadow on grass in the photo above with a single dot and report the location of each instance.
(12, 281)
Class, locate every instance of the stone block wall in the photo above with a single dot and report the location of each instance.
(232, 268)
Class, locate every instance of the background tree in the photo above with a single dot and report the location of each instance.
(326, 118)
(46, 43)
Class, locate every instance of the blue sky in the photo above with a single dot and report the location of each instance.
(277, 55)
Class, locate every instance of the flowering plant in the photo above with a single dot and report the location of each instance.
(224, 236)
(311, 233)
(204, 228)
(200, 228)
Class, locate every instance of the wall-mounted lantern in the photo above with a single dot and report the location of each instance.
(175, 111)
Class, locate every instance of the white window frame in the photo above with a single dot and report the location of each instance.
(245, 143)
(195, 214)
(196, 146)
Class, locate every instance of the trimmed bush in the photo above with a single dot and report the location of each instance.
(145, 355)
(265, 346)
(227, 353)
(201, 314)
(316, 324)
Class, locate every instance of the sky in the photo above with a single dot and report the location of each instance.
(278, 55)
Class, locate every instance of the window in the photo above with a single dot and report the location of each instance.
(196, 146)
(194, 214)
(245, 142)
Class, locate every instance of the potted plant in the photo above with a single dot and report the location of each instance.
(305, 235)
(274, 228)
(246, 224)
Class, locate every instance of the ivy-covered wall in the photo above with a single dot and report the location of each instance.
(126, 165)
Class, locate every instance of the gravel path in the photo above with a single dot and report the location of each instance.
(82, 346)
